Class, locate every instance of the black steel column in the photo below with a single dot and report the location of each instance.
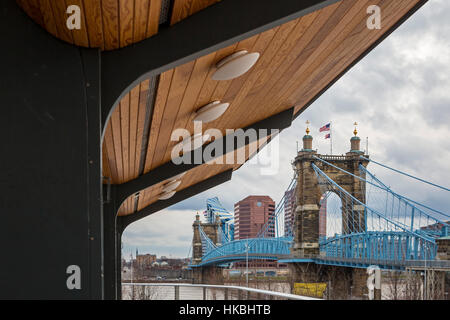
(118, 287)
(110, 242)
(112, 245)
(50, 181)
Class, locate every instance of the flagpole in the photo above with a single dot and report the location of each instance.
(331, 139)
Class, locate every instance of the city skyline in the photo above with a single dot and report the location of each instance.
(406, 83)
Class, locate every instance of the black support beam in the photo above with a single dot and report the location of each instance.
(279, 122)
(124, 221)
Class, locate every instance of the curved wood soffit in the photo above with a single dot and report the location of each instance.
(110, 24)
(299, 59)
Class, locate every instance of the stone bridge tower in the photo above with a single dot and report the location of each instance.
(211, 274)
(211, 230)
(308, 193)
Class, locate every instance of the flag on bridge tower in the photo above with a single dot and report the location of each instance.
(326, 127)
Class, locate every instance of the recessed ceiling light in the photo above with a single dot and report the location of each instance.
(190, 143)
(211, 111)
(172, 185)
(235, 65)
(166, 195)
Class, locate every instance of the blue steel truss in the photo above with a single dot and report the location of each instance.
(387, 228)
(215, 210)
(263, 248)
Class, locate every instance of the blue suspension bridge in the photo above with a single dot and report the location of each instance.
(387, 229)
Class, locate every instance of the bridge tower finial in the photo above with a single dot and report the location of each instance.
(307, 139)
(355, 142)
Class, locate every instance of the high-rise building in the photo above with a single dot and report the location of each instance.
(289, 212)
(251, 215)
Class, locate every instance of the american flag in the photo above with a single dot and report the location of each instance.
(328, 136)
(325, 128)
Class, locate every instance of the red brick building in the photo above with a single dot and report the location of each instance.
(251, 214)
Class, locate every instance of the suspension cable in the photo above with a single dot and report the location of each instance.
(383, 188)
(406, 174)
(398, 225)
(401, 196)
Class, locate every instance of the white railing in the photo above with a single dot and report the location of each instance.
(186, 291)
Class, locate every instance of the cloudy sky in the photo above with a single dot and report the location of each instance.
(400, 96)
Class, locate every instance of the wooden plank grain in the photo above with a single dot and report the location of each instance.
(80, 36)
(243, 84)
(124, 108)
(140, 19)
(258, 71)
(180, 11)
(359, 42)
(144, 96)
(353, 33)
(154, 12)
(133, 135)
(337, 28)
(165, 80)
(33, 9)
(110, 18)
(198, 5)
(108, 146)
(126, 27)
(117, 141)
(94, 23)
(176, 93)
(59, 13)
(48, 18)
(187, 109)
(302, 48)
(223, 86)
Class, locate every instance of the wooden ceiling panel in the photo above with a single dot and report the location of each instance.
(298, 60)
(124, 135)
(346, 53)
(184, 8)
(108, 24)
(105, 24)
